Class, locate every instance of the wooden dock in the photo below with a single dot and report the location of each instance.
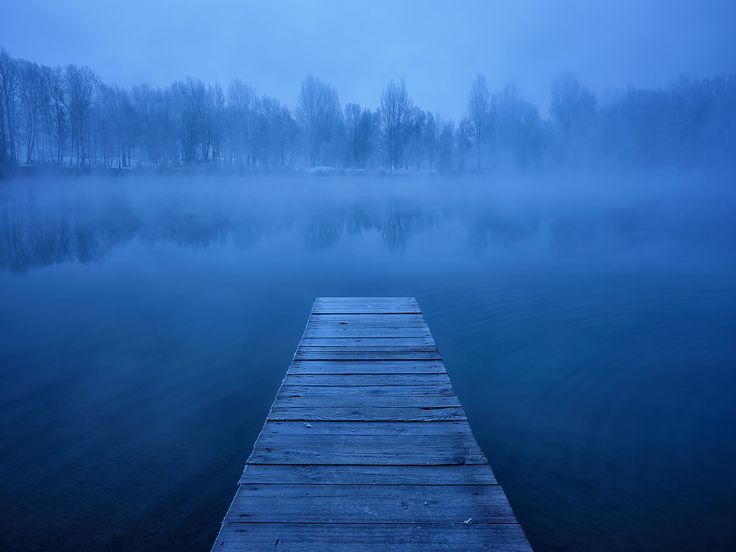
(367, 447)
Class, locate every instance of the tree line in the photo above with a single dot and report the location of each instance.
(67, 116)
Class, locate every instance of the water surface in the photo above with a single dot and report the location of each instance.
(588, 324)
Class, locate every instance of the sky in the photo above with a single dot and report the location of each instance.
(358, 46)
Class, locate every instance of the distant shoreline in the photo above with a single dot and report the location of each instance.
(25, 171)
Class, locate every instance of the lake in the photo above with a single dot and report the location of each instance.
(588, 324)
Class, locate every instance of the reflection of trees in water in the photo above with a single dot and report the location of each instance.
(362, 218)
(51, 226)
(322, 230)
(46, 229)
(629, 225)
(488, 228)
(34, 234)
(395, 224)
(192, 225)
(38, 232)
(400, 224)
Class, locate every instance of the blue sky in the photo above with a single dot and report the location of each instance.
(436, 46)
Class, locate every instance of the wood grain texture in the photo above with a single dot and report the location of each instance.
(365, 380)
(366, 396)
(339, 367)
(366, 305)
(367, 447)
(368, 413)
(308, 353)
(370, 504)
(333, 537)
(367, 320)
(329, 331)
(393, 429)
(310, 474)
(372, 342)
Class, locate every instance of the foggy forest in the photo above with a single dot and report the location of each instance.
(69, 117)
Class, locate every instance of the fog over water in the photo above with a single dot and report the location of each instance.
(50, 220)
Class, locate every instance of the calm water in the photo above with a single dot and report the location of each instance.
(588, 324)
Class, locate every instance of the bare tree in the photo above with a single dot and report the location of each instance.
(80, 83)
(430, 139)
(479, 105)
(157, 129)
(573, 105)
(318, 112)
(446, 146)
(8, 86)
(240, 121)
(117, 125)
(190, 100)
(517, 129)
(395, 109)
(54, 83)
(360, 129)
(277, 131)
(215, 120)
(31, 87)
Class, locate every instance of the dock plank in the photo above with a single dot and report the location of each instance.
(363, 380)
(328, 537)
(367, 428)
(366, 305)
(310, 474)
(367, 447)
(371, 450)
(368, 413)
(367, 320)
(329, 331)
(373, 342)
(308, 353)
(367, 395)
(346, 367)
(370, 504)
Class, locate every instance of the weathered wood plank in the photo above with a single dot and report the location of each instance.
(366, 396)
(366, 348)
(370, 504)
(362, 380)
(325, 331)
(357, 309)
(369, 392)
(367, 320)
(373, 342)
(367, 301)
(361, 402)
(369, 537)
(309, 396)
(367, 413)
(366, 305)
(367, 450)
(338, 367)
(281, 474)
(362, 307)
(396, 429)
(366, 443)
(333, 354)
